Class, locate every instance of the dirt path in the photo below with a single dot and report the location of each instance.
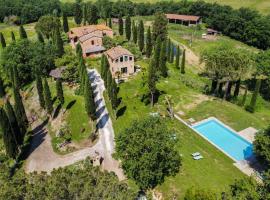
(43, 158)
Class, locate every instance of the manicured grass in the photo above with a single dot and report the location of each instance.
(215, 171)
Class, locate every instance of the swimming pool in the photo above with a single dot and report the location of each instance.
(225, 139)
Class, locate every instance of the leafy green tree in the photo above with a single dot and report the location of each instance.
(134, 32)
(2, 40)
(163, 59)
(48, 97)
(110, 22)
(40, 89)
(262, 146)
(13, 38)
(59, 43)
(90, 105)
(47, 25)
(8, 135)
(147, 151)
(252, 105)
(141, 36)
(22, 32)
(65, 23)
(40, 37)
(59, 91)
(14, 123)
(149, 46)
(177, 58)
(183, 62)
(93, 15)
(128, 27)
(2, 88)
(78, 12)
(160, 26)
(120, 25)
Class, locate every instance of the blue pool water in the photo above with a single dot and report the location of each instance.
(234, 145)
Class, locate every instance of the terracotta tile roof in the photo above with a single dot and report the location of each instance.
(118, 51)
(90, 35)
(183, 17)
(84, 30)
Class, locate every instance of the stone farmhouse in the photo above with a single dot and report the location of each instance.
(90, 37)
(187, 20)
(121, 61)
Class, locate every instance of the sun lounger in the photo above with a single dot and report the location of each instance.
(196, 154)
(197, 157)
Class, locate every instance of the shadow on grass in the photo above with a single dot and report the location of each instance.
(121, 111)
(57, 111)
(70, 104)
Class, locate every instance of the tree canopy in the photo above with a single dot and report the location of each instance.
(147, 151)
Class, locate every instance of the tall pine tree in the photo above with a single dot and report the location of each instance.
(177, 58)
(59, 43)
(149, 46)
(40, 89)
(105, 70)
(78, 12)
(172, 53)
(85, 14)
(59, 91)
(183, 62)
(2, 40)
(109, 83)
(48, 97)
(22, 32)
(2, 88)
(162, 60)
(114, 90)
(14, 123)
(9, 139)
(40, 37)
(134, 32)
(252, 105)
(90, 105)
(65, 22)
(141, 36)
(110, 22)
(168, 49)
(120, 25)
(13, 38)
(128, 27)
(93, 15)
(156, 57)
(151, 81)
(79, 50)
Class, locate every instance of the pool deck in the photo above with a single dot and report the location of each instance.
(249, 166)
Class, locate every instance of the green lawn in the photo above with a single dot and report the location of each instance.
(216, 171)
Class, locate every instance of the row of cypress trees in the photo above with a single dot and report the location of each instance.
(22, 34)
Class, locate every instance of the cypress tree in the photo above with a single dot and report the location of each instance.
(2, 40)
(109, 84)
(15, 78)
(40, 37)
(59, 43)
(22, 32)
(134, 32)
(177, 59)
(110, 22)
(102, 68)
(48, 97)
(141, 36)
(114, 99)
(79, 50)
(13, 38)
(183, 62)
(244, 98)
(90, 105)
(14, 123)
(40, 90)
(162, 60)
(59, 91)
(78, 12)
(85, 14)
(151, 81)
(93, 16)
(105, 71)
(65, 23)
(9, 139)
(252, 105)
(237, 88)
(2, 88)
(149, 43)
(128, 27)
(120, 25)
(157, 49)
(20, 111)
(168, 49)
(172, 53)
(83, 73)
